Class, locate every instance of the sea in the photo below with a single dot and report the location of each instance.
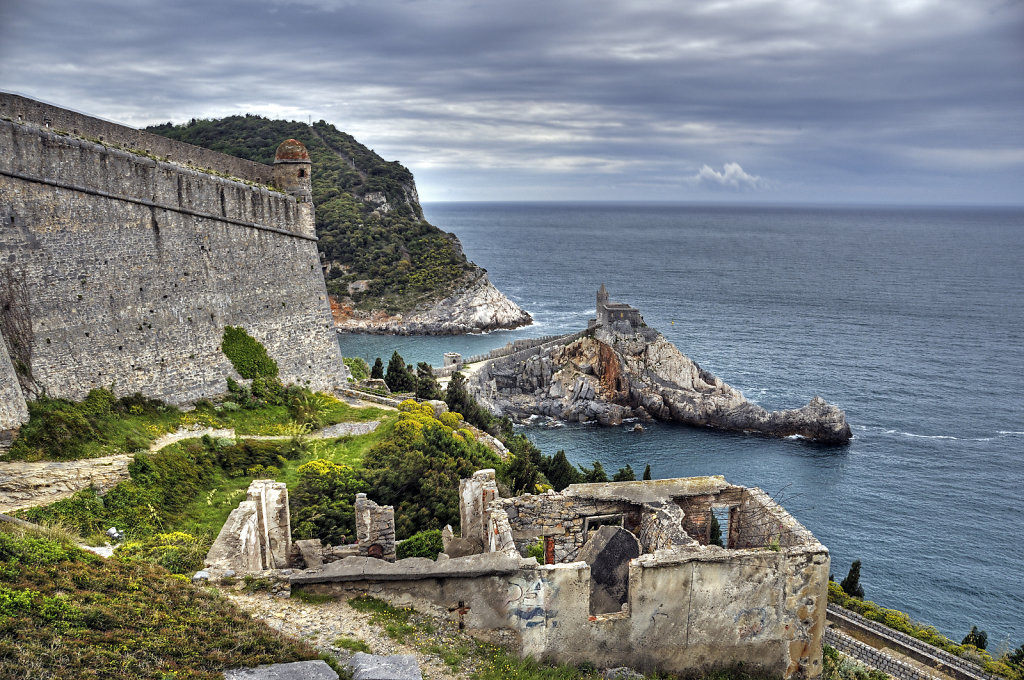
(910, 319)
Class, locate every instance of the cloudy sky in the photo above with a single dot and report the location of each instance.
(867, 101)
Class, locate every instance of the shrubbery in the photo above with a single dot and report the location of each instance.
(321, 501)
(417, 470)
(897, 620)
(66, 613)
(247, 354)
(59, 429)
(423, 544)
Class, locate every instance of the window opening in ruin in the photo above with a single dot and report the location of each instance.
(718, 532)
(302, 172)
(595, 522)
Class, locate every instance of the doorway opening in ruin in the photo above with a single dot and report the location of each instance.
(718, 531)
(594, 522)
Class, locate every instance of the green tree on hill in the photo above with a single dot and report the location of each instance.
(399, 378)
(978, 638)
(388, 244)
(426, 384)
(377, 372)
(851, 584)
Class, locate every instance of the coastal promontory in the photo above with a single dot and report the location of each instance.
(387, 269)
(621, 369)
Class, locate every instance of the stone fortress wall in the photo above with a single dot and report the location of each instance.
(128, 268)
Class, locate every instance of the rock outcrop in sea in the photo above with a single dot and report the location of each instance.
(475, 308)
(622, 369)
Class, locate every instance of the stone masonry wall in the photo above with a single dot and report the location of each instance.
(561, 518)
(13, 410)
(375, 528)
(25, 485)
(134, 267)
(24, 110)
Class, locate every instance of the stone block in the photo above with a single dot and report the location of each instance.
(299, 670)
(395, 667)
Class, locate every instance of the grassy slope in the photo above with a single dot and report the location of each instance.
(405, 259)
(65, 613)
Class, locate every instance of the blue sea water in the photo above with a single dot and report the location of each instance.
(910, 319)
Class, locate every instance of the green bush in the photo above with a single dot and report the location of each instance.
(423, 544)
(357, 367)
(59, 429)
(246, 354)
(177, 552)
(322, 501)
(66, 613)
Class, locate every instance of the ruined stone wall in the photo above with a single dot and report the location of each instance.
(134, 267)
(563, 519)
(759, 521)
(688, 613)
(375, 529)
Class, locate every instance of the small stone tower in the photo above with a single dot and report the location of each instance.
(293, 174)
(602, 302)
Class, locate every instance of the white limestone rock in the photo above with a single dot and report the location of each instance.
(476, 308)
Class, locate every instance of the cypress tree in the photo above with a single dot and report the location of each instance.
(851, 584)
(625, 474)
(399, 378)
(647, 472)
(378, 369)
(426, 384)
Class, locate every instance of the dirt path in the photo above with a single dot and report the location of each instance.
(321, 624)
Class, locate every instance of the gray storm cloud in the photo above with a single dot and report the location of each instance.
(597, 100)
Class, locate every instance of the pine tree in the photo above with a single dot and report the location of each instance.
(715, 532)
(426, 384)
(647, 472)
(378, 369)
(399, 378)
(851, 584)
(978, 638)
(560, 471)
(625, 474)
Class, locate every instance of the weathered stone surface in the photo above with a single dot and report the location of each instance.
(237, 546)
(13, 410)
(298, 670)
(312, 552)
(608, 552)
(272, 513)
(257, 534)
(134, 266)
(476, 308)
(620, 372)
(394, 667)
(375, 528)
(27, 485)
(411, 568)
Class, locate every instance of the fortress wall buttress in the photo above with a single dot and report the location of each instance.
(133, 267)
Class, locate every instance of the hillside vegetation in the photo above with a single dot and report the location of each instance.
(368, 216)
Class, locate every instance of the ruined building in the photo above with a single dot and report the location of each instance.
(123, 256)
(628, 575)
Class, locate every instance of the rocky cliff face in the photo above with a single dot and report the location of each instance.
(608, 376)
(475, 308)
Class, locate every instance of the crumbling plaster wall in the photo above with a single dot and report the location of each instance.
(692, 612)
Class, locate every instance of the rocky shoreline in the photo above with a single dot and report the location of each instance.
(613, 374)
(476, 308)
